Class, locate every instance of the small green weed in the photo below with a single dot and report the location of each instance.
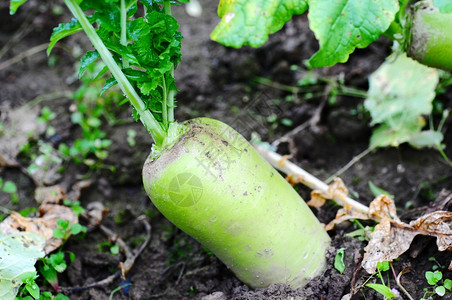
(46, 116)
(108, 246)
(362, 233)
(64, 231)
(439, 286)
(131, 134)
(75, 205)
(339, 260)
(89, 112)
(10, 188)
(382, 288)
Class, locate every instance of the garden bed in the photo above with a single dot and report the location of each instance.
(225, 84)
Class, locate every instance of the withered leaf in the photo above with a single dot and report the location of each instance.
(95, 213)
(317, 199)
(20, 125)
(391, 238)
(43, 225)
(336, 190)
(49, 194)
(383, 207)
(343, 215)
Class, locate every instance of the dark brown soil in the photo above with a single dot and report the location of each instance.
(219, 82)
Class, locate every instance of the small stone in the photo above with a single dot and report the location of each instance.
(215, 296)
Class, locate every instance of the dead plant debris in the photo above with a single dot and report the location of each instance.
(391, 237)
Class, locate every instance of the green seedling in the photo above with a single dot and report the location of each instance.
(65, 230)
(50, 267)
(75, 205)
(111, 247)
(113, 292)
(376, 191)
(46, 116)
(30, 285)
(91, 109)
(55, 263)
(382, 288)
(29, 211)
(131, 134)
(45, 296)
(45, 162)
(339, 260)
(362, 233)
(439, 286)
(10, 188)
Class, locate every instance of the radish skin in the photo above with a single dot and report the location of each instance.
(430, 41)
(215, 186)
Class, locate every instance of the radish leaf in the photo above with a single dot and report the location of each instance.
(62, 31)
(246, 22)
(89, 58)
(341, 26)
(400, 92)
(18, 255)
(14, 6)
(147, 48)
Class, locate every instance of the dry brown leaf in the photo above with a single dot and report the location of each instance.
(391, 238)
(44, 225)
(47, 165)
(437, 224)
(49, 194)
(343, 215)
(388, 241)
(380, 208)
(383, 207)
(337, 189)
(282, 161)
(95, 212)
(54, 194)
(317, 199)
(19, 126)
(294, 179)
(77, 188)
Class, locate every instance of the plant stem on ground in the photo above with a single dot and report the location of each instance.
(307, 179)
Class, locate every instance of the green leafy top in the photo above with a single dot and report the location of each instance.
(148, 55)
(141, 51)
(249, 22)
(340, 26)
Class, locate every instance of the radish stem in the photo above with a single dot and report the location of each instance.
(125, 62)
(169, 99)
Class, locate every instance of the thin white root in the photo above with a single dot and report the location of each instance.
(307, 179)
